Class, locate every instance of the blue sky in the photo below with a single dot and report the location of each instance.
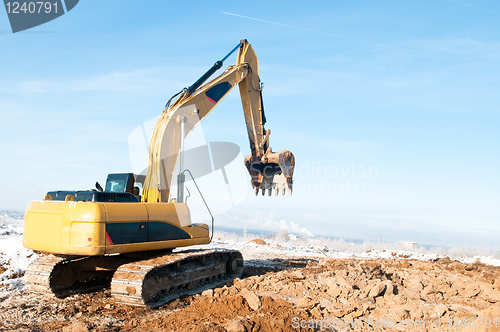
(410, 89)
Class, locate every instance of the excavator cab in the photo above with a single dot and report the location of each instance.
(120, 182)
(119, 188)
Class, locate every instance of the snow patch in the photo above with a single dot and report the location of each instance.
(14, 258)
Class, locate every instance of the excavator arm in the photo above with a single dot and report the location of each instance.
(268, 170)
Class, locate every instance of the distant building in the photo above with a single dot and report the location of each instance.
(408, 245)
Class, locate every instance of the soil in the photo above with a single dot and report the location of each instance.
(286, 293)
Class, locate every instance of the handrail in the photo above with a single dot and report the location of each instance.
(206, 205)
(188, 195)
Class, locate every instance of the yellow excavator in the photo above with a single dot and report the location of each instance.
(107, 237)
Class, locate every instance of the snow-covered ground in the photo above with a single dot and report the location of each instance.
(321, 247)
(14, 258)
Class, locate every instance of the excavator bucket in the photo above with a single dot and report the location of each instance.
(273, 171)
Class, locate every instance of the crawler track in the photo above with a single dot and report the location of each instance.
(37, 276)
(143, 279)
(156, 281)
(63, 276)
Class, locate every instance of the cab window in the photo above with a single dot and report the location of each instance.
(118, 186)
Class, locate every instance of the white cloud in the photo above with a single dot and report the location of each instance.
(145, 81)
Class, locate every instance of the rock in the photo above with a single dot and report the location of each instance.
(231, 291)
(404, 264)
(488, 293)
(414, 285)
(410, 294)
(470, 291)
(453, 291)
(208, 293)
(316, 313)
(440, 286)
(306, 302)
(464, 310)
(175, 304)
(133, 322)
(367, 306)
(252, 299)
(415, 312)
(398, 314)
(327, 261)
(239, 325)
(340, 312)
(366, 287)
(492, 296)
(259, 279)
(429, 290)
(218, 292)
(378, 314)
(296, 275)
(341, 273)
(342, 282)
(353, 315)
(107, 306)
(335, 292)
(389, 288)
(76, 327)
(324, 303)
(380, 301)
(355, 303)
(259, 242)
(333, 288)
(438, 310)
(377, 290)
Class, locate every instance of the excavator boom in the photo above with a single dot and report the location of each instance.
(268, 170)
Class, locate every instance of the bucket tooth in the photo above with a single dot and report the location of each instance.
(273, 170)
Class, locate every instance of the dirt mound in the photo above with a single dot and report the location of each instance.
(258, 241)
(293, 294)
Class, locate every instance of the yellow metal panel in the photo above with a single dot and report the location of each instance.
(174, 213)
(84, 234)
(65, 227)
(198, 231)
(86, 212)
(49, 224)
(43, 227)
(126, 212)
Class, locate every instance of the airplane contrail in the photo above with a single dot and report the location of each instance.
(357, 40)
